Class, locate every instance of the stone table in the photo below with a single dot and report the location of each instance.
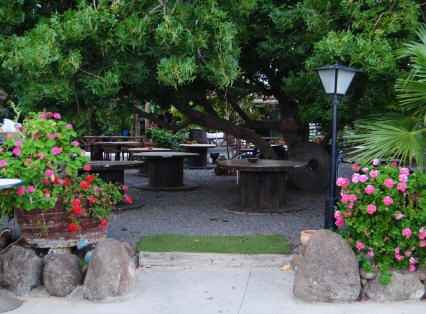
(113, 171)
(262, 184)
(7, 301)
(201, 149)
(165, 170)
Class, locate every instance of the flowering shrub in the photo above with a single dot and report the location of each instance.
(382, 213)
(46, 156)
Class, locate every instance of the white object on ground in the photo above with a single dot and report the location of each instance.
(9, 183)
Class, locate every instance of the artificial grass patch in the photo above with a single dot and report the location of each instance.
(251, 244)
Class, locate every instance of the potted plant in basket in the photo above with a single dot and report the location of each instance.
(56, 202)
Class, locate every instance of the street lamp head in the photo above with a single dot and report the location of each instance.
(336, 78)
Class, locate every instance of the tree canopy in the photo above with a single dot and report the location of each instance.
(97, 60)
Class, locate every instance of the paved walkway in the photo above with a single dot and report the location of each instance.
(215, 290)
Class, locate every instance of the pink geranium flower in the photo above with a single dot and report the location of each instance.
(340, 223)
(404, 171)
(422, 233)
(369, 189)
(20, 191)
(17, 151)
(371, 209)
(402, 187)
(376, 162)
(412, 268)
(356, 167)
(365, 169)
(389, 183)
(355, 178)
(370, 252)
(363, 178)
(52, 136)
(3, 163)
(75, 143)
(403, 178)
(31, 189)
(49, 173)
(374, 173)
(56, 116)
(56, 150)
(359, 245)
(422, 244)
(342, 182)
(406, 233)
(69, 126)
(387, 200)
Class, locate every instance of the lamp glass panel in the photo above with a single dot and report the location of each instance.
(327, 79)
(344, 80)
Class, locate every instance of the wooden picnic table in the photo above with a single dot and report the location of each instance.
(263, 183)
(113, 171)
(98, 148)
(201, 149)
(135, 155)
(165, 170)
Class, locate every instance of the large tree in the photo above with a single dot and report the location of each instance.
(101, 59)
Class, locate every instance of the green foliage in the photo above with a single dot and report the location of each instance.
(382, 214)
(77, 57)
(164, 138)
(402, 136)
(394, 137)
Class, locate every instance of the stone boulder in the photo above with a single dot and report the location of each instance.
(61, 274)
(20, 270)
(402, 287)
(111, 272)
(328, 270)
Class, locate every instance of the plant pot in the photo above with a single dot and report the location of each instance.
(48, 228)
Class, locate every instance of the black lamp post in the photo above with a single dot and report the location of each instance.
(336, 80)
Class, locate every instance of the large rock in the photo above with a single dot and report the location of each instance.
(61, 274)
(111, 272)
(328, 270)
(403, 286)
(20, 270)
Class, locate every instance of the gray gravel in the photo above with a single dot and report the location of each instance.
(205, 211)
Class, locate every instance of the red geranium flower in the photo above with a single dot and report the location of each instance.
(103, 224)
(87, 168)
(72, 228)
(91, 199)
(84, 185)
(76, 202)
(90, 178)
(127, 199)
(77, 210)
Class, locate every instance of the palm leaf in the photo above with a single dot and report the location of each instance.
(388, 138)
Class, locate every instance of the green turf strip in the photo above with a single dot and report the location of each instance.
(252, 244)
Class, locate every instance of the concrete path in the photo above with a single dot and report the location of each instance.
(211, 290)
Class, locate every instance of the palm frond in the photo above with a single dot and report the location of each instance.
(389, 138)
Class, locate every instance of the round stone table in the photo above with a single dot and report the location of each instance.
(165, 170)
(201, 149)
(262, 184)
(7, 300)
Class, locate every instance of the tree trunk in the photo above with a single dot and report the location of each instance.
(213, 122)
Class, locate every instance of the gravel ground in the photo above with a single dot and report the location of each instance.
(204, 211)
